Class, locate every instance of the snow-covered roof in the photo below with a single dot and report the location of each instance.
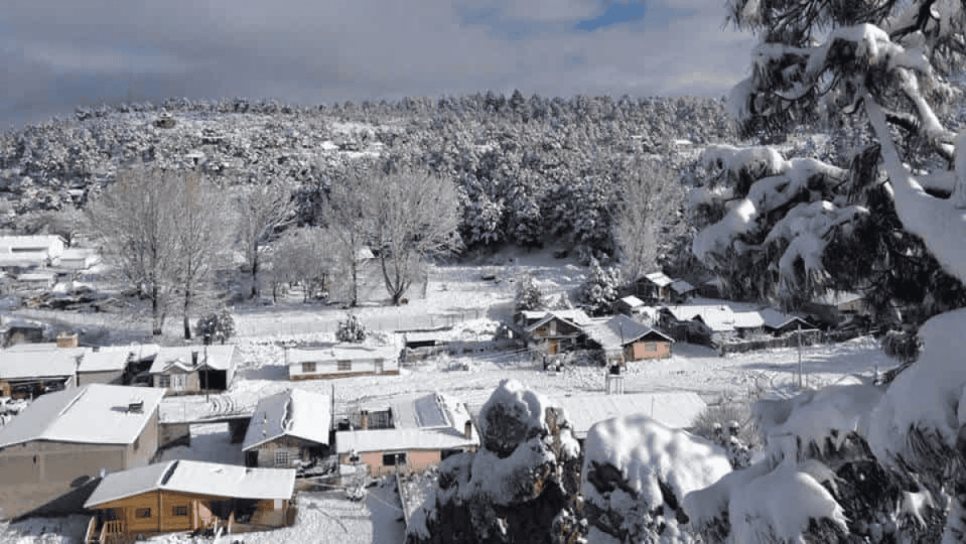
(197, 478)
(29, 242)
(137, 352)
(90, 414)
(341, 352)
(362, 441)
(78, 253)
(28, 346)
(296, 413)
(215, 357)
(834, 298)
(22, 259)
(428, 336)
(103, 361)
(717, 317)
(620, 330)
(681, 287)
(576, 317)
(37, 276)
(751, 319)
(676, 410)
(775, 319)
(658, 278)
(430, 410)
(47, 363)
(632, 301)
(364, 254)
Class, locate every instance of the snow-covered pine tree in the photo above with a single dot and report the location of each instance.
(529, 296)
(879, 462)
(351, 330)
(600, 291)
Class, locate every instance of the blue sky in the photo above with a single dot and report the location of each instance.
(57, 55)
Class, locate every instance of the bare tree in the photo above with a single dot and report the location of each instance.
(349, 218)
(301, 257)
(649, 212)
(415, 217)
(134, 222)
(201, 227)
(262, 210)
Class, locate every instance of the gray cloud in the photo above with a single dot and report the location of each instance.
(57, 55)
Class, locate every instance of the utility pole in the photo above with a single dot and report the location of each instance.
(801, 366)
(207, 376)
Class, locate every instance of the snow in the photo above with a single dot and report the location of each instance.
(103, 361)
(928, 395)
(216, 357)
(91, 414)
(296, 413)
(527, 406)
(675, 410)
(196, 477)
(659, 279)
(632, 302)
(54, 362)
(646, 453)
(342, 352)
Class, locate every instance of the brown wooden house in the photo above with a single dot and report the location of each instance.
(620, 338)
(555, 331)
(181, 496)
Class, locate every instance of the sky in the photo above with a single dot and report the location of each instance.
(56, 55)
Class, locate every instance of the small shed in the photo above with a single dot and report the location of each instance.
(102, 367)
(682, 291)
(630, 305)
(341, 361)
(184, 495)
(288, 430)
(778, 323)
(654, 286)
(78, 258)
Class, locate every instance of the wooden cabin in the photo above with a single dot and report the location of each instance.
(553, 332)
(288, 430)
(182, 496)
(620, 338)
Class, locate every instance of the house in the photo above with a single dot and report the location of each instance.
(341, 361)
(288, 429)
(36, 280)
(182, 495)
(193, 369)
(51, 452)
(779, 323)
(421, 432)
(425, 339)
(78, 258)
(623, 339)
(699, 323)
(834, 307)
(654, 286)
(19, 331)
(28, 252)
(677, 410)
(28, 372)
(682, 291)
(553, 332)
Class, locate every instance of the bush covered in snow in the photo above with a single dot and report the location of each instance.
(351, 330)
(601, 290)
(520, 486)
(218, 326)
(528, 296)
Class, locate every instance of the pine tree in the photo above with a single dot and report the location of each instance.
(529, 296)
(600, 291)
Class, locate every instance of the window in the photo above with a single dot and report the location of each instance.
(393, 459)
(180, 510)
(344, 366)
(142, 513)
(650, 346)
(164, 381)
(281, 458)
(308, 368)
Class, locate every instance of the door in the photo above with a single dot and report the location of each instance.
(178, 382)
(552, 347)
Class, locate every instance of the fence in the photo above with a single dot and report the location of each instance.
(790, 340)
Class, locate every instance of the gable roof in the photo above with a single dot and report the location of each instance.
(91, 414)
(658, 278)
(103, 361)
(219, 357)
(676, 409)
(681, 287)
(575, 317)
(775, 319)
(296, 413)
(197, 478)
(619, 331)
(717, 317)
(751, 319)
(632, 301)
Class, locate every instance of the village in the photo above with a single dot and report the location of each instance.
(259, 434)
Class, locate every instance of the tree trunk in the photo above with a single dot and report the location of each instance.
(156, 324)
(187, 309)
(354, 289)
(255, 273)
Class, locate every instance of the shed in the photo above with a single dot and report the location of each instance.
(555, 331)
(102, 367)
(630, 305)
(288, 429)
(78, 258)
(184, 495)
(654, 286)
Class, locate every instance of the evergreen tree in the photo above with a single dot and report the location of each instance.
(600, 291)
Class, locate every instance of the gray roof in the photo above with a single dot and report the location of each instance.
(620, 330)
(91, 414)
(215, 357)
(198, 478)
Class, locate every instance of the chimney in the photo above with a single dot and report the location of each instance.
(135, 407)
(364, 419)
(468, 430)
(67, 340)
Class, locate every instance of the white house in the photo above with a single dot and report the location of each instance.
(341, 361)
(193, 369)
(29, 251)
(78, 258)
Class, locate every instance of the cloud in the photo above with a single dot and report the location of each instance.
(61, 54)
